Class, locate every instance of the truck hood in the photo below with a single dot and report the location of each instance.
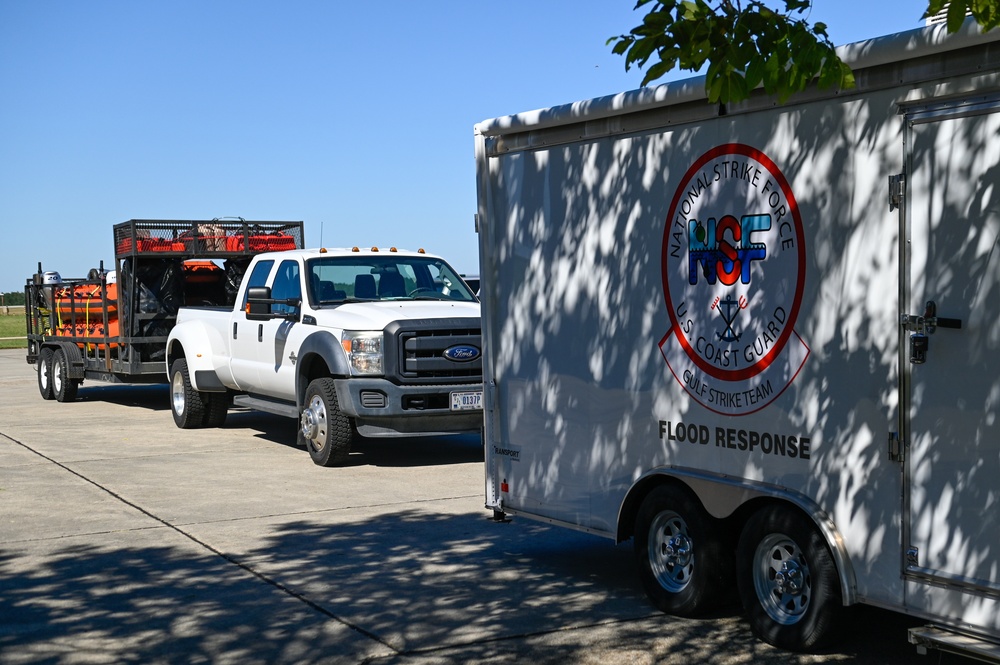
(377, 315)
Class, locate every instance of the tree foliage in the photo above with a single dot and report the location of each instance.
(749, 44)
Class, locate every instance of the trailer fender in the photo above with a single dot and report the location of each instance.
(201, 345)
(722, 496)
(75, 367)
(320, 354)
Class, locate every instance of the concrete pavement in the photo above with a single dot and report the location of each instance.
(125, 539)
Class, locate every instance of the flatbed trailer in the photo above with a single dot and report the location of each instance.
(112, 326)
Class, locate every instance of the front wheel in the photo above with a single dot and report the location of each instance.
(187, 405)
(44, 366)
(680, 553)
(787, 580)
(323, 429)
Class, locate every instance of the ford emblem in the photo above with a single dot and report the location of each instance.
(461, 353)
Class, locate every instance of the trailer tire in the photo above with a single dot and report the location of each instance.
(44, 367)
(680, 554)
(788, 580)
(187, 405)
(323, 428)
(64, 389)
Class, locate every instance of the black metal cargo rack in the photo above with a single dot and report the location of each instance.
(152, 258)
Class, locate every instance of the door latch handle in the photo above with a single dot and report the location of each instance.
(923, 326)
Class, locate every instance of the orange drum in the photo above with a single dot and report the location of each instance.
(93, 335)
(84, 302)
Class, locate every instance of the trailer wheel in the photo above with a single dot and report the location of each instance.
(63, 388)
(44, 366)
(323, 429)
(216, 409)
(186, 404)
(679, 552)
(787, 580)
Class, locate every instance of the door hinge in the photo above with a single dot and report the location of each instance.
(896, 453)
(897, 190)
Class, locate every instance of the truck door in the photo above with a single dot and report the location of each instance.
(950, 346)
(275, 361)
(245, 335)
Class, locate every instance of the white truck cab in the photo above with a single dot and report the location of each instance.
(371, 342)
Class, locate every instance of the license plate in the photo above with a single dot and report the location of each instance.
(466, 401)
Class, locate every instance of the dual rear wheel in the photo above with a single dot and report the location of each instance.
(784, 571)
(193, 408)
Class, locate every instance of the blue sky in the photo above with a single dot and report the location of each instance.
(354, 117)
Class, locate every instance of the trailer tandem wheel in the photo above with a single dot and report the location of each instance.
(679, 551)
(787, 580)
(44, 367)
(64, 388)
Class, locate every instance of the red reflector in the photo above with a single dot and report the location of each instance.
(504, 487)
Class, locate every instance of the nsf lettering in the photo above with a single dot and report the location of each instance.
(767, 443)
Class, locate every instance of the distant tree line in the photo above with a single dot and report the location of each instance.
(12, 298)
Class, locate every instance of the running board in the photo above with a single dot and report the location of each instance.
(286, 409)
(942, 639)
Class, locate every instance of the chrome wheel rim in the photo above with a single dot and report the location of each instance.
(314, 424)
(177, 394)
(670, 551)
(782, 579)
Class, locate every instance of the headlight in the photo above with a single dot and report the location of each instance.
(364, 351)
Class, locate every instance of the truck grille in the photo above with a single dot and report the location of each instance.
(440, 354)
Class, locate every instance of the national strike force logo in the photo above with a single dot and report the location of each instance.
(733, 273)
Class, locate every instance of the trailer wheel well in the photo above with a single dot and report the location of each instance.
(630, 507)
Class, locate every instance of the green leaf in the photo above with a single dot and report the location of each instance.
(956, 14)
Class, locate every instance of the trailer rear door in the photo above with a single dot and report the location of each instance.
(952, 398)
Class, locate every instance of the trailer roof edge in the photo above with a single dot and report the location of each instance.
(859, 55)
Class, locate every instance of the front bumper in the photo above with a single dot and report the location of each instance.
(381, 408)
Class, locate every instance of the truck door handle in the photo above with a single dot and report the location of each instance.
(234, 329)
(260, 332)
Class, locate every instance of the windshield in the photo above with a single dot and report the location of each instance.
(337, 279)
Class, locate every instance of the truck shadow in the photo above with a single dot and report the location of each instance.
(401, 452)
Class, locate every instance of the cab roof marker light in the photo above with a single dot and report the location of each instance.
(355, 249)
(374, 249)
(322, 250)
(392, 249)
(421, 251)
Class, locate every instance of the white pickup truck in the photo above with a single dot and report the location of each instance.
(370, 342)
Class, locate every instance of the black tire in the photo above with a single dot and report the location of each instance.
(680, 553)
(64, 389)
(187, 405)
(788, 580)
(44, 367)
(323, 429)
(216, 409)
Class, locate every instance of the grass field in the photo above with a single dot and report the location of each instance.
(13, 326)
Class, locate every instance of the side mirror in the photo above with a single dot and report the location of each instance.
(260, 305)
(259, 302)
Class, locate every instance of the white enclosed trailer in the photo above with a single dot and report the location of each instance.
(762, 341)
